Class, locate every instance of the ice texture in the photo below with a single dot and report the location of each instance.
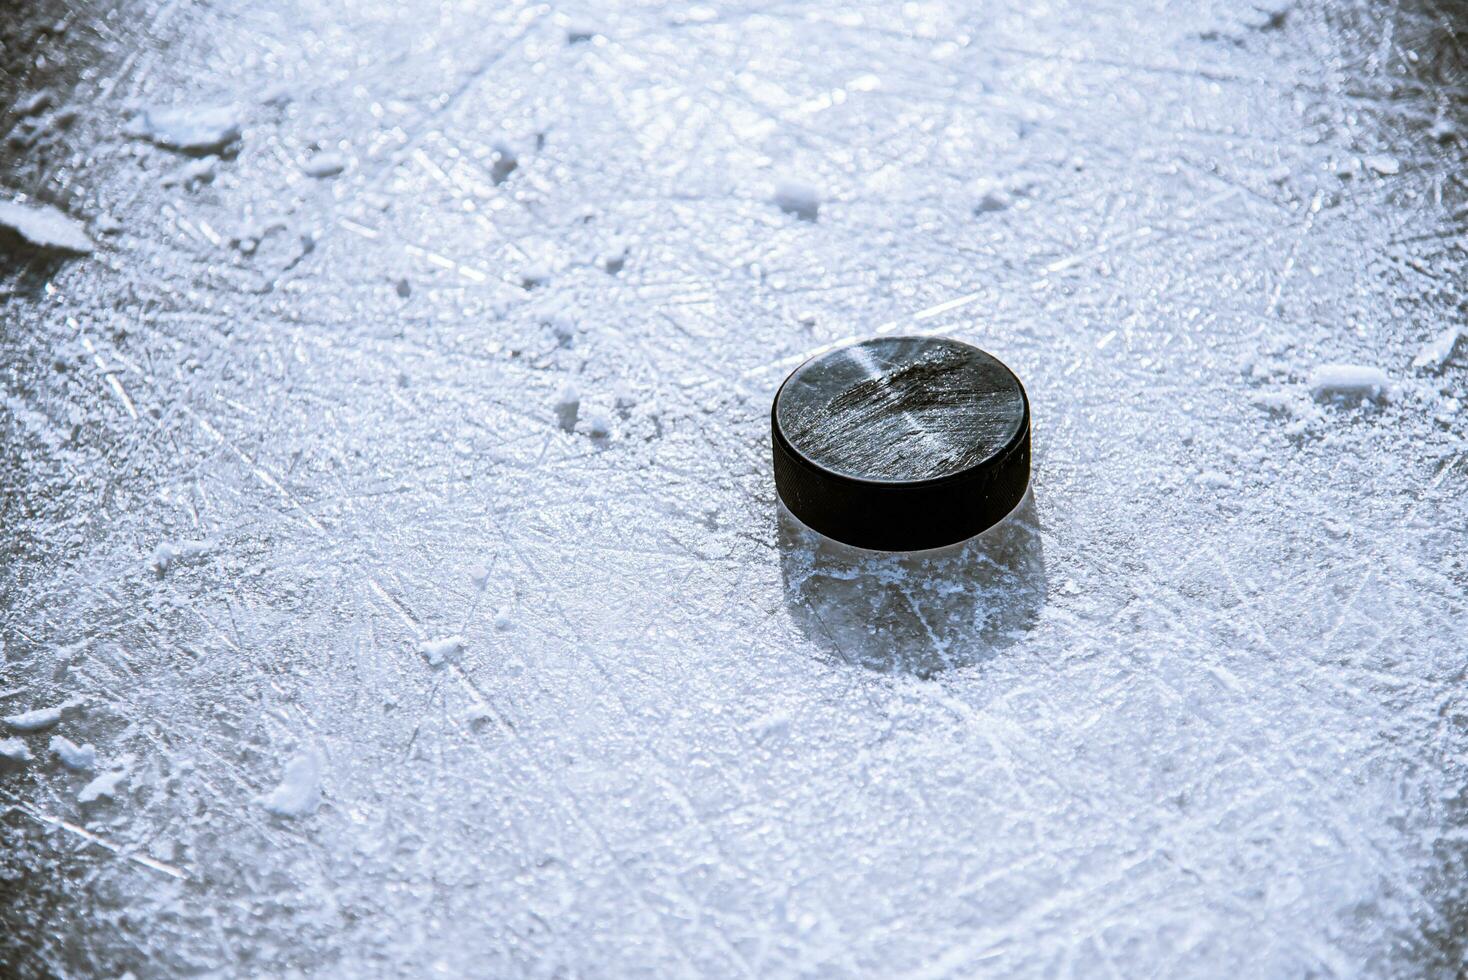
(45, 227)
(1197, 711)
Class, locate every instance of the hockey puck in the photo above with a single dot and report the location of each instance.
(901, 443)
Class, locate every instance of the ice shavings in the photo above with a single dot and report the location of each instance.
(14, 750)
(45, 227)
(1383, 164)
(567, 406)
(774, 725)
(188, 129)
(506, 161)
(1436, 352)
(298, 793)
(170, 552)
(443, 649)
(1349, 382)
(325, 164)
(599, 423)
(998, 194)
(799, 198)
(104, 785)
(192, 174)
(34, 721)
(73, 756)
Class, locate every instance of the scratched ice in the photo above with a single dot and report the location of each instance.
(503, 377)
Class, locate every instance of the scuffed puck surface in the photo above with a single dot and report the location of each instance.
(901, 443)
(901, 409)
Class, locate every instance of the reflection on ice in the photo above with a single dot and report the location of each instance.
(920, 612)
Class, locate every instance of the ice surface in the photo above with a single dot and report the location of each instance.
(1197, 711)
(44, 227)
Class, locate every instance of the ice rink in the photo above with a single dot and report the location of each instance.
(392, 581)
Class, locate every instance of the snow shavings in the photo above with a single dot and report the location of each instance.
(34, 721)
(443, 650)
(1436, 352)
(1383, 164)
(799, 198)
(1349, 382)
(998, 194)
(567, 406)
(772, 726)
(45, 227)
(14, 750)
(102, 786)
(1214, 480)
(203, 129)
(73, 756)
(298, 793)
(192, 174)
(168, 553)
(599, 423)
(325, 164)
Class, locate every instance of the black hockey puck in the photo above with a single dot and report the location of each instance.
(901, 443)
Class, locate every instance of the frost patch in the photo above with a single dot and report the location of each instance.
(299, 792)
(45, 227)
